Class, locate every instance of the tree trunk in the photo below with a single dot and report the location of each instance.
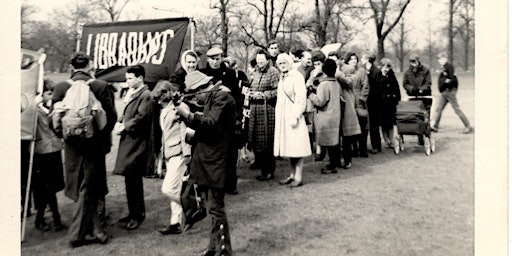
(380, 48)
(450, 31)
(224, 26)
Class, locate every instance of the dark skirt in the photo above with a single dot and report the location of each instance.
(388, 113)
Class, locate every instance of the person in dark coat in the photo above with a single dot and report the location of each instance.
(135, 129)
(389, 98)
(373, 102)
(85, 168)
(417, 82)
(211, 160)
(448, 85)
(222, 74)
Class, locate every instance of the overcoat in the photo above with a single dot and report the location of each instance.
(262, 121)
(85, 158)
(390, 96)
(212, 161)
(359, 82)
(349, 123)
(327, 118)
(291, 138)
(135, 142)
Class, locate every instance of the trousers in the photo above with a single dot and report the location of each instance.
(171, 186)
(449, 96)
(220, 240)
(135, 196)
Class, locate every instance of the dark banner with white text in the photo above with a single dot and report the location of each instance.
(154, 44)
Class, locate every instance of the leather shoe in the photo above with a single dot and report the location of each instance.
(59, 226)
(170, 229)
(101, 238)
(319, 157)
(232, 192)
(43, 226)
(295, 184)
(133, 224)
(328, 170)
(206, 252)
(125, 219)
(286, 181)
(347, 166)
(265, 177)
(468, 130)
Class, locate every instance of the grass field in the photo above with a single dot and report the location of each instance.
(387, 204)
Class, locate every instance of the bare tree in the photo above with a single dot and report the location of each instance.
(400, 43)
(465, 28)
(272, 18)
(27, 10)
(114, 8)
(207, 32)
(222, 6)
(381, 10)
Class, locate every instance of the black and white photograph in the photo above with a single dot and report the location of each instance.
(256, 127)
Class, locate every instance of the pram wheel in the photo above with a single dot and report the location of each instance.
(427, 144)
(397, 145)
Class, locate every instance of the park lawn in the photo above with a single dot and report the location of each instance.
(387, 204)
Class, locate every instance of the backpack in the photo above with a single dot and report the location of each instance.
(79, 114)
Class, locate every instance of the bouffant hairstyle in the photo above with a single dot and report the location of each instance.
(386, 62)
(329, 67)
(348, 56)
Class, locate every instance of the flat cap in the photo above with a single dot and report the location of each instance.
(214, 51)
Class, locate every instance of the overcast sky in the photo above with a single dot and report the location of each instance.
(417, 14)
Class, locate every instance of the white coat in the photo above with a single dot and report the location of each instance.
(291, 138)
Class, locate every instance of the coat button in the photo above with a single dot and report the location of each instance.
(221, 226)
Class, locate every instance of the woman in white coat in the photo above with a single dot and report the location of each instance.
(291, 137)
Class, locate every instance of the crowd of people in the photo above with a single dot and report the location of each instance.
(287, 105)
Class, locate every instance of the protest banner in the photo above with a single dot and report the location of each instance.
(154, 44)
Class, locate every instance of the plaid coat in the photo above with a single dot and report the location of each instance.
(262, 121)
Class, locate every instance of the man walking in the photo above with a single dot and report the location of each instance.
(448, 85)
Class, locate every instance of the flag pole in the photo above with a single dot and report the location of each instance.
(32, 145)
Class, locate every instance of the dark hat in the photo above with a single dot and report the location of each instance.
(195, 79)
(214, 51)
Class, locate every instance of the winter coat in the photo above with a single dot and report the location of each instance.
(359, 84)
(349, 123)
(417, 81)
(390, 96)
(327, 118)
(215, 153)
(135, 143)
(448, 72)
(85, 158)
(291, 137)
(262, 118)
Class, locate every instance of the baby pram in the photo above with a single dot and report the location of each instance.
(413, 118)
